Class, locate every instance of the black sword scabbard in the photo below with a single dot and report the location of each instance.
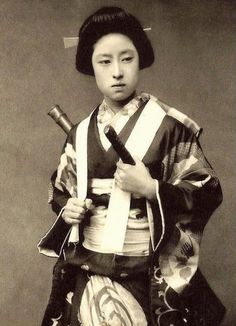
(118, 146)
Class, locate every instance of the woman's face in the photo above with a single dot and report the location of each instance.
(115, 63)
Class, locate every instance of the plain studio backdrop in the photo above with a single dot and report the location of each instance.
(194, 71)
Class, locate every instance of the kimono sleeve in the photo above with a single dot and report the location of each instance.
(63, 181)
(62, 187)
(188, 195)
(190, 190)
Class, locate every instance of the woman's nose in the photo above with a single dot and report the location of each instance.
(117, 71)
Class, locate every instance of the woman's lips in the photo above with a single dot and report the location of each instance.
(118, 85)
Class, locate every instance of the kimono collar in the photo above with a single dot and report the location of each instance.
(106, 115)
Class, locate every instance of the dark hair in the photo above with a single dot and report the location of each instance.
(111, 20)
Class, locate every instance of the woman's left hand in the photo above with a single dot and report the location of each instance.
(135, 179)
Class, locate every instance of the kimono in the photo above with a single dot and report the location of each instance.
(157, 271)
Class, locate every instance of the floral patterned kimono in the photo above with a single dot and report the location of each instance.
(153, 279)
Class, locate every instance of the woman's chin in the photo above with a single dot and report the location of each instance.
(121, 96)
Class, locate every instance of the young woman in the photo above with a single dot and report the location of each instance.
(140, 226)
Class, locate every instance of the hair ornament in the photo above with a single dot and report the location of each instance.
(70, 42)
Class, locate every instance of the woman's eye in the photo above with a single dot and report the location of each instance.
(104, 62)
(127, 59)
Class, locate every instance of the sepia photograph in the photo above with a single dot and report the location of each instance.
(118, 153)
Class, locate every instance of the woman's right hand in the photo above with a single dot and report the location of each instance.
(75, 210)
